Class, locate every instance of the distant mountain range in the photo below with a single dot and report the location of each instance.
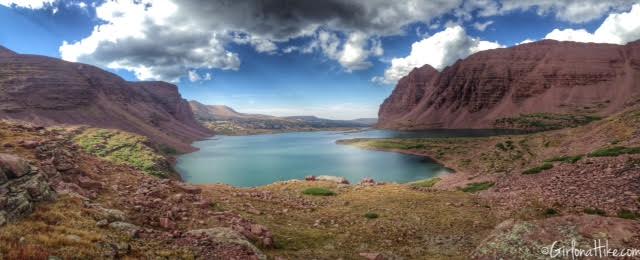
(225, 120)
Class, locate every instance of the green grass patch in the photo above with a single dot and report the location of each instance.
(551, 212)
(595, 211)
(123, 148)
(428, 183)
(565, 159)
(371, 215)
(544, 121)
(539, 169)
(627, 214)
(316, 191)
(478, 186)
(615, 151)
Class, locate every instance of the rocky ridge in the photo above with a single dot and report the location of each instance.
(48, 91)
(541, 77)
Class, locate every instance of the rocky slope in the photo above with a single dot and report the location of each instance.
(495, 88)
(49, 91)
(225, 120)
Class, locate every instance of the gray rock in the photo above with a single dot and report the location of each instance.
(227, 235)
(3, 218)
(131, 229)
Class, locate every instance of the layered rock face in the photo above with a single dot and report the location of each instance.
(49, 91)
(541, 77)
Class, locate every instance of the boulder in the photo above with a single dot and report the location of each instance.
(227, 236)
(13, 166)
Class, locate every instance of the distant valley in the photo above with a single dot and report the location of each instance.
(226, 121)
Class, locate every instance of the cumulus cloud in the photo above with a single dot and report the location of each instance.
(617, 28)
(575, 11)
(165, 39)
(440, 50)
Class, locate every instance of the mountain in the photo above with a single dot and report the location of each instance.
(225, 120)
(48, 91)
(545, 84)
(366, 121)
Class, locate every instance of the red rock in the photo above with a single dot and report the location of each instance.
(256, 229)
(46, 91)
(30, 144)
(13, 166)
(189, 188)
(546, 76)
(166, 223)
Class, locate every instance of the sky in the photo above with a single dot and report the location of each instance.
(335, 59)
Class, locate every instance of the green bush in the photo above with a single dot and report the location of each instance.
(565, 159)
(539, 169)
(371, 215)
(551, 212)
(615, 151)
(595, 211)
(123, 148)
(316, 191)
(477, 186)
(426, 183)
(627, 214)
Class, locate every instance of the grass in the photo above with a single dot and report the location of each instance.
(565, 159)
(371, 215)
(544, 121)
(615, 151)
(123, 148)
(428, 183)
(317, 191)
(477, 186)
(595, 211)
(627, 214)
(538, 169)
(551, 212)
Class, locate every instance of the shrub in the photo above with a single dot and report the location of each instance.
(539, 169)
(316, 191)
(614, 151)
(477, 186)
(426, 183)
(627, 214)
(565, 159)
(551, 212)
(371, 215)
(595, 211)
(123, 148)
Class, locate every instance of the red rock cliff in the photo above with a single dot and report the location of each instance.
(49, 91)
(546, 76)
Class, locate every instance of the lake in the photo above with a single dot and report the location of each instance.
(247, 161)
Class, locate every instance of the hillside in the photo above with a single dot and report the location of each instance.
(538, 86)
(225, 120)
(47, 91)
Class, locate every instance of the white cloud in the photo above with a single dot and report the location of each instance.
(195, 77)
(482, 26)
(575, 11)
(525, 41)
(617, 28)
(440, 50)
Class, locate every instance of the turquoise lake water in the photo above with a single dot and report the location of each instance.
(247, 161)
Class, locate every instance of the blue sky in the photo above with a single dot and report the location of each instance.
(336, 61)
